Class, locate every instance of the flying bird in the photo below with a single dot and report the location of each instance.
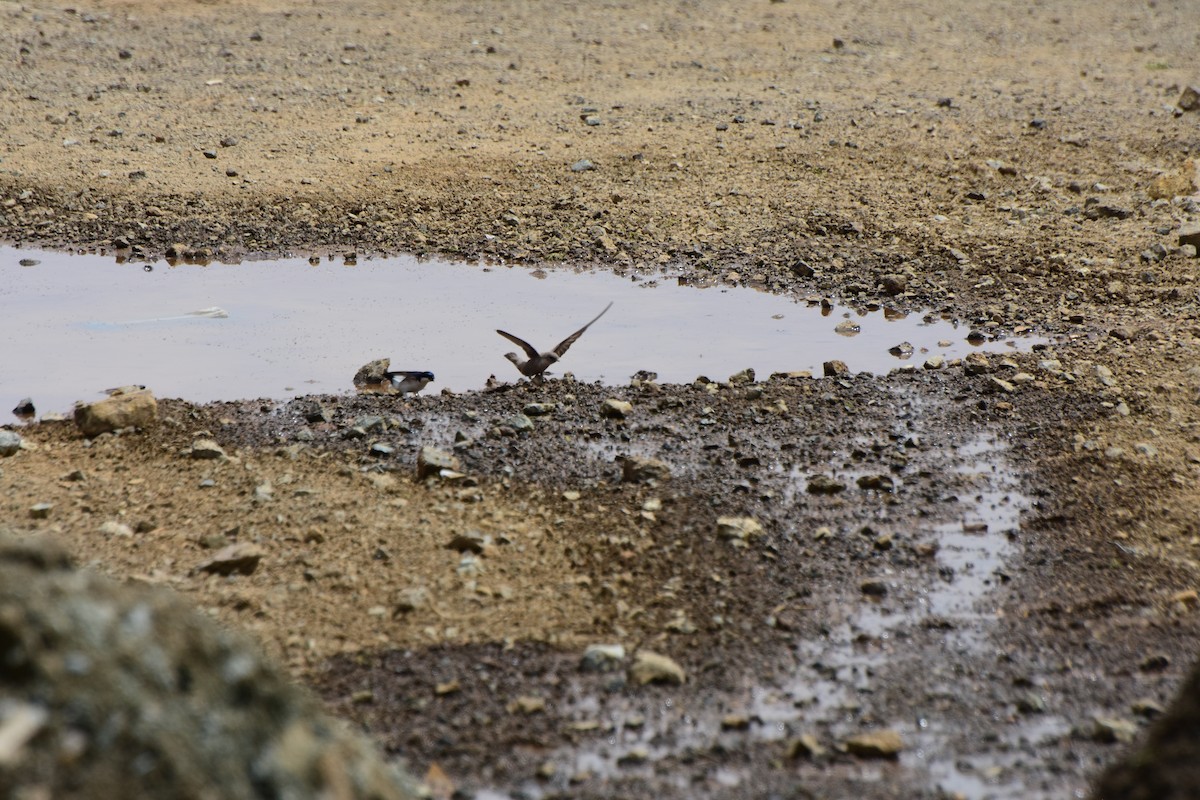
(409, 382)
(540, 362)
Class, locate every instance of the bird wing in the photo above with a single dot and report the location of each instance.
(566, 343)
(519, 342)
(406, 373)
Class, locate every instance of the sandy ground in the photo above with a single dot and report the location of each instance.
(1023, 168)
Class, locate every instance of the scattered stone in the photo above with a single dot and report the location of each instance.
(1189, 234)
(371, 424)
(1188, 598)
(1174, 184)
(539, 409)
(518, 422)
(804, 745)
(1097, 210)
(114, 528)
(471, 541)
(744, 376)
(894, 284)
(40, 510)
(615, 409)
(679, 623)
(823, 484)
(602, 658)
(21, 722)
(1189, 100)
(312, 411)
(25, 408)
(735, 722)
(741, 529)
(902, 350)
(1155, 663)
(207, 449)
(381, 450)
(935, 362)
(448, 687)
(582, 165)
(241, 559)
(432, 461)
(411, 599)
(10, 443)
(835, 368)
(976, 364)
(125, 408)
(997, 385)
(878, 483)
(527, 704)
(373, 372)
(1111, 730)
(635, 756)
(1148, 708)
(649, 667)
(874, 587)
(847, 328)
(877, 744)
(637, 469)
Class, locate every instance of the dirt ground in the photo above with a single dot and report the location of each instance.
(1021, 167)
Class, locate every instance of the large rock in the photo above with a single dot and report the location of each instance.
(114, 690)
(1165, 765)
(373, 372)
(10, 443)
(125, 408)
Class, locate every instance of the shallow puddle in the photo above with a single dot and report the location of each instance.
(839, 672)
(276, 329)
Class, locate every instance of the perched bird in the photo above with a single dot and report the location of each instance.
(409, 382)
(540, 362)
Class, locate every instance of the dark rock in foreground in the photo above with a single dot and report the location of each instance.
(1166, 764)
(109, 690)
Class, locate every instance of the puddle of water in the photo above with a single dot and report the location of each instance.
(983, 777)
(277, 329)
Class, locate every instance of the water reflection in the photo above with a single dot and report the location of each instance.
(88, 321)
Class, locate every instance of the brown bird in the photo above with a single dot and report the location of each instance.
(540, 362)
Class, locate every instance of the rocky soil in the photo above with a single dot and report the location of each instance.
(978, 580)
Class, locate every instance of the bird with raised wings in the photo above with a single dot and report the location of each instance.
(538, 363)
